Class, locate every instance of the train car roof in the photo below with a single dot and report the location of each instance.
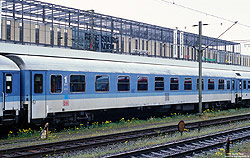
(7, 64)
(89, 55)
(82, 65)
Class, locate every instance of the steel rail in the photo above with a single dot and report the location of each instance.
(189, 146)
(85, 143)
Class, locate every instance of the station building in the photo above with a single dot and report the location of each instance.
(31, 22)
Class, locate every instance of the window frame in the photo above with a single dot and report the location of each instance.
(35, 83)
(11, 86)
(128, 83)
(248, 84)
(108, 84)
(188, 84)
(138, 84)
(228, 81)
(233, 84)
(174, 83)
(61, 84)
(219, 84)
(245, 84)
(210, 83)
(159, 82)
(70, 82)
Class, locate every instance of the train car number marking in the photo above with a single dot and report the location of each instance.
(65, 102)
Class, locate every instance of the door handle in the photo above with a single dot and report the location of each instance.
(34, 101)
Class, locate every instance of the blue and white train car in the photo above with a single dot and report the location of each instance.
(10, 91)
(73, 89)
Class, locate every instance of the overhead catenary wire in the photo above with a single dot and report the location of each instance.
(201, 12)
(221, 34)
(208, 14)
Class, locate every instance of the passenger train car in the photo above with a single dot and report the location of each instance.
(71, 88)
(10, 91)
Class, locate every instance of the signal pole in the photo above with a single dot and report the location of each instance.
(200, 67)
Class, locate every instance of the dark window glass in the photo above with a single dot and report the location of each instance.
(248, 85)
(37, 35)
(56, 83)
(59, 38)
(102, 83)
(188, 84)
(142, 44)
(38, 83)
(21, 32)
(228, 84)
(65, 39)
(159, 83)
(221, 84)
(142, 83)
(51, 36)
(8, 33)
(174, 84)
(8, 83)
(123, 83)
(244, 84)
(77, 83)
(232, 84)
(197, 85)
(210, 84)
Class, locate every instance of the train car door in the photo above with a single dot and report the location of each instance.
(238, 90)
(233, 91)
(38, 100)
(11, 91)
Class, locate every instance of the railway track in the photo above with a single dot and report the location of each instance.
(188, 147)
(85, 143)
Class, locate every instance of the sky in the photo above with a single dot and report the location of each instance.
(161, 13)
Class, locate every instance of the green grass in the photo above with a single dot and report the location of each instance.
(108, 127)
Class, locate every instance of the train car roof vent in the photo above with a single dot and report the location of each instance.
(238, 74)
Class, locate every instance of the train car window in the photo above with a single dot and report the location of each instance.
(8, 83)
(228, 84)
(221, 84)
(56, 83)
(244, 84)
(248, 85)
(210, 84)
(142, 83)
(102, 83)
(77, 83)
(174, 84)
(197, 84)
(188, 84)
(232, 84)
(159, 83)
(38, 83)
(123, 83)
